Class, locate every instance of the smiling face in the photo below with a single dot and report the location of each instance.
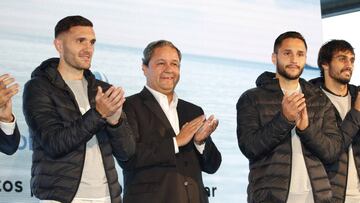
(340, 68)
(76, 47)
(290, 59)
(163, 71)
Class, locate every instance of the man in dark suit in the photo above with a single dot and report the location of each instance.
(173, 144)
(9, 132)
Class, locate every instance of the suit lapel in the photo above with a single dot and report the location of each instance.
(154, 106)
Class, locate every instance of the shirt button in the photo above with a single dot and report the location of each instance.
(186, 183)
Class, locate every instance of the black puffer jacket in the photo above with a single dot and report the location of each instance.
(60, 133)
(338, 171)
(264, 137)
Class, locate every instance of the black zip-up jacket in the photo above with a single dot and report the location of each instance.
(59, 132)
(264, 137)
(350, 126)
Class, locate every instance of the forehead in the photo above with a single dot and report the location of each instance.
(343, 53)
(165, 52)
(292, 44)
(81, 30)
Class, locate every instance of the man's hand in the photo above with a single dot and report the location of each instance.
(292, 105)
(7, 90)
(303, 120)
(188, 130)
(109, 104)
(206, 129)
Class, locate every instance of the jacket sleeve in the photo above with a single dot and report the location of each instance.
(56, 136)
(256, 140)
(210, 160)
(350, 127)
(9, 143)
(156, 152)
(121, 139)
(323, 137)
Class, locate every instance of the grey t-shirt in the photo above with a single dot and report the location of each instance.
(93, 180)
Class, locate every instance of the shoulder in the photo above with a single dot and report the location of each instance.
(187, 105)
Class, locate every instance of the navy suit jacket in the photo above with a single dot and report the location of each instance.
(155, 173)
(9, 143)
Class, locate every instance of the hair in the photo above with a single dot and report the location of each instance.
(286, 35)
(68, 22)
(331, 47)
(149, 50)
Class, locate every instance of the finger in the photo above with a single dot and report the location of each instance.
(300, 102)
(296, 97)
(4, 76)
(109, 91)
(302, 107)
(99, 93)
(115, 95)
(8, 81)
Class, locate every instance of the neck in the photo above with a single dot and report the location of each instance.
(287, 84)
(69, 73)
(170, 97)
(336, 87)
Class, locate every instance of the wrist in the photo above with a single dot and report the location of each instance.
(199, 142)
(7, 119)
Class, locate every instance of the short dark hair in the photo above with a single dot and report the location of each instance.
(331, 47)
(68, 22)
(149, 50)
(286, 35)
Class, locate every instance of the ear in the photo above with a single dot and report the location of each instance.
(325, 67)
(145, 69)
(273, 58)
(58, 45)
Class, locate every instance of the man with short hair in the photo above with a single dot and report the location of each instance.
(76, 123)
(287, 129)
(9, 132)
(173, 144)
(336, 62)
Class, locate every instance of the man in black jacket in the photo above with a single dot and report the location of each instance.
(9, 132)
(76, 123)
(173, 144)
(287, 129)
(336, 62)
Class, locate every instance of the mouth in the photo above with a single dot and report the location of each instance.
(293, 67)
(167, 77)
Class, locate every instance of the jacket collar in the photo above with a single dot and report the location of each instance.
(268, 81)
(319, 82)
(48, 69)
(154, 106)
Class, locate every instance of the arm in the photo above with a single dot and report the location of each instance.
(9, 143)
(159, 150)
(121, 139)
(210, 160)
(323, 137)
(256, 140)
(57, 136)
(350, 127)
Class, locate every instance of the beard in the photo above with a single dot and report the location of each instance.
(339, 79)
(281, 70)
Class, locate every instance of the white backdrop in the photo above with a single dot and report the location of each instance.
(226, 45)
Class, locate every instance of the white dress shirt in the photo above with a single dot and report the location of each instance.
(8, 128)
(171, 114)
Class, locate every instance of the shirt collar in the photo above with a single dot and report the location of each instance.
(162, 98)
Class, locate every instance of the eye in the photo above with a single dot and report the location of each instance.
(175, 64)
(301, 54)
(286, 53)
(160, 63)
(80, 40)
